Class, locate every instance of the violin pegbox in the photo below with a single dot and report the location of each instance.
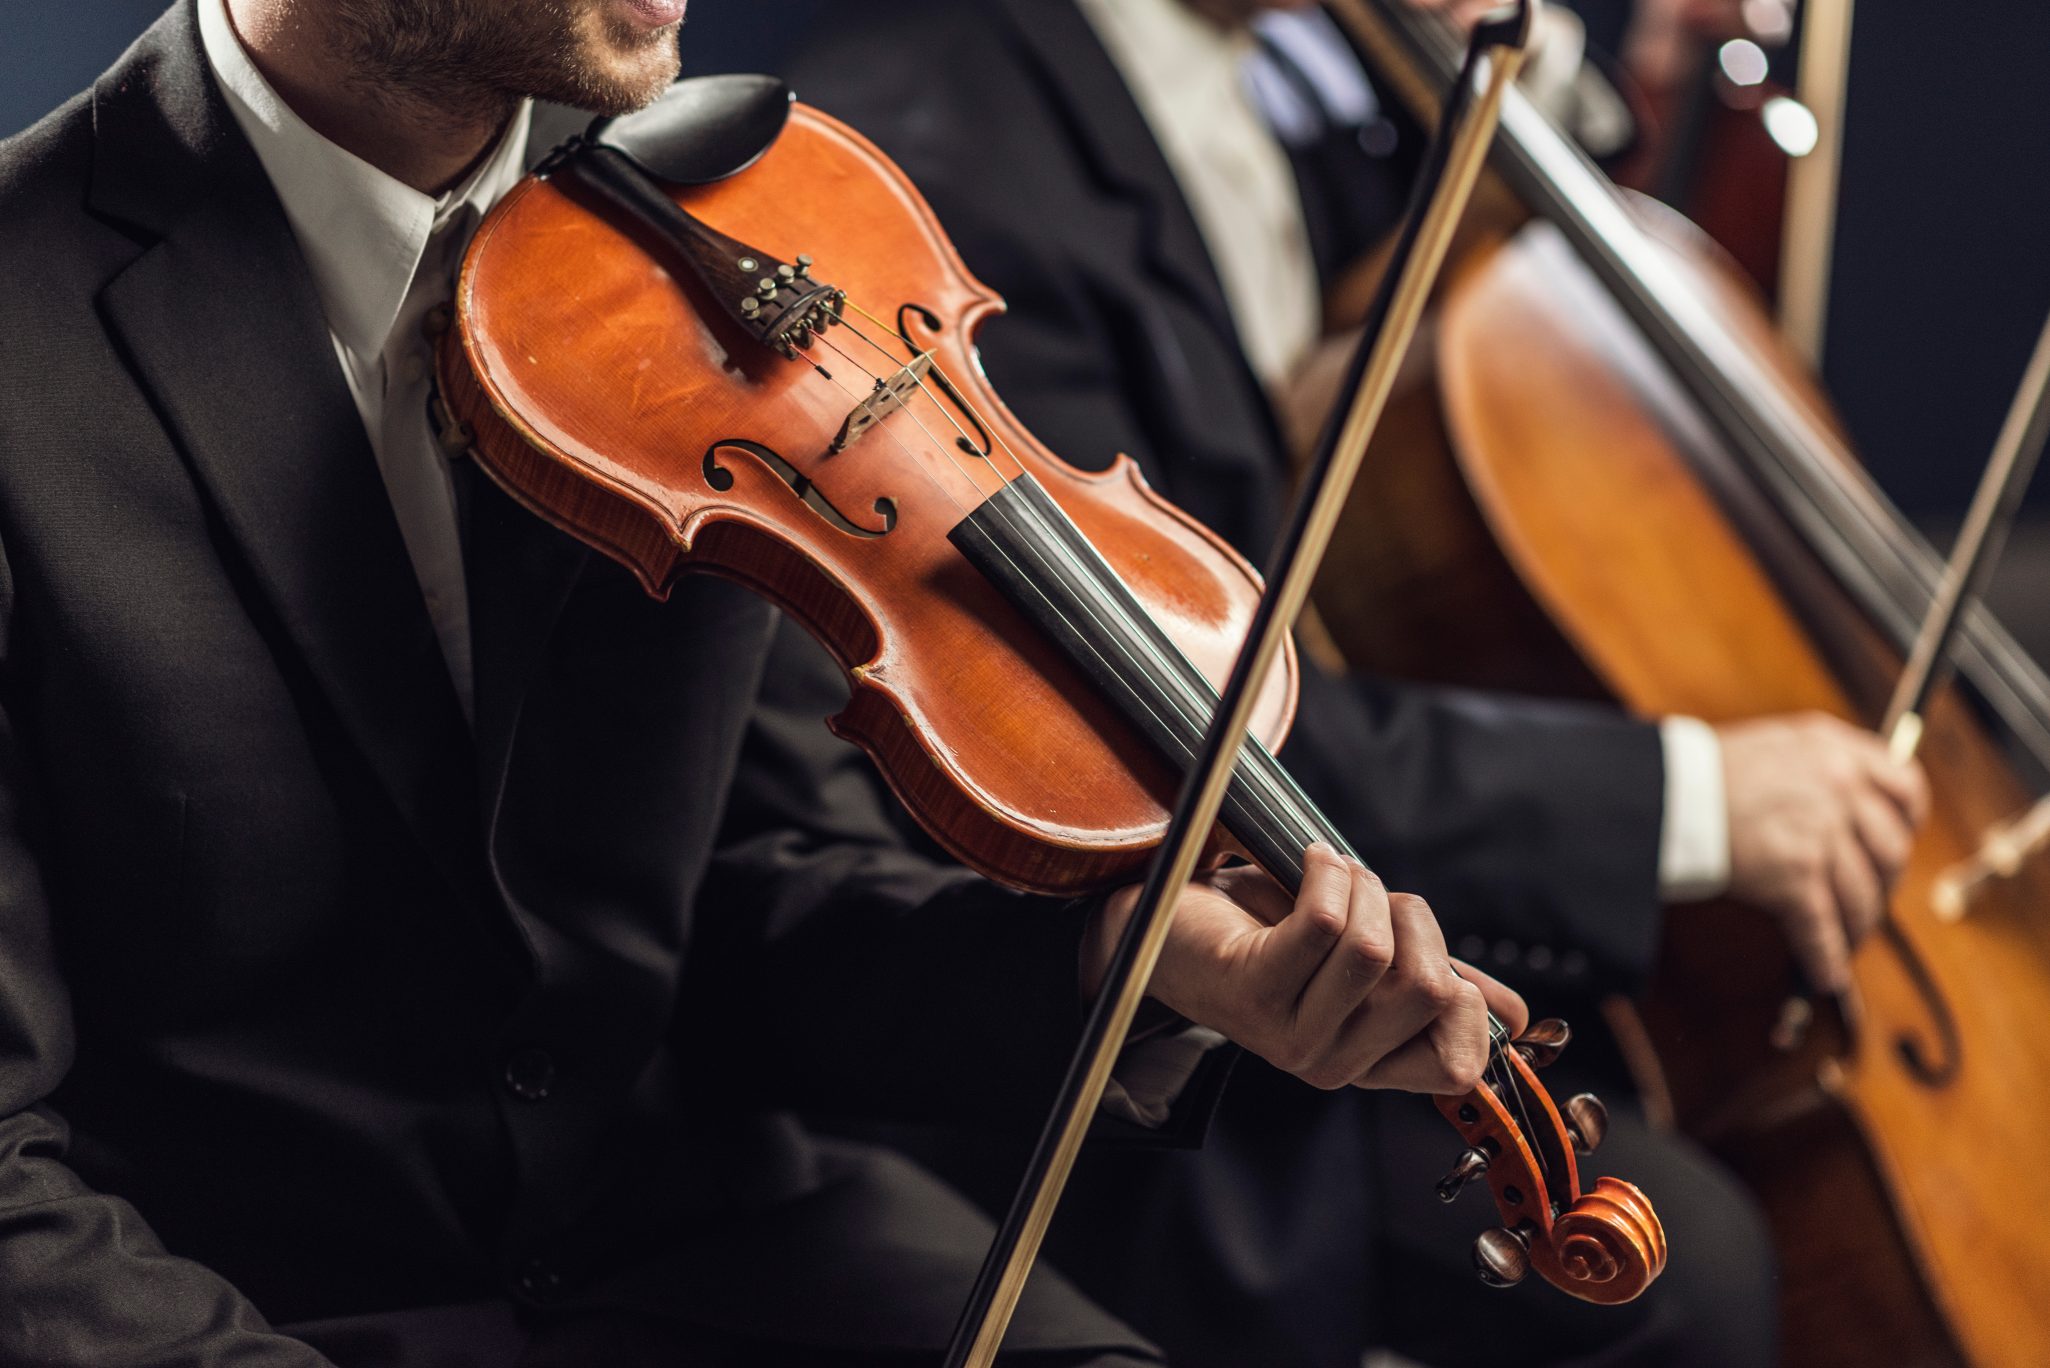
(1602, 1245)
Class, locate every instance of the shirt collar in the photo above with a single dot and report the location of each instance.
(1159, 45)
(362, 232)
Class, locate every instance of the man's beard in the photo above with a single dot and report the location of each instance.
(483, 56)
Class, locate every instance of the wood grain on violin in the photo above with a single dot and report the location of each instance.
(657, 434)
(898, 510)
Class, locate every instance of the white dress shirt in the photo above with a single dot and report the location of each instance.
(382, 255)
(1187, 76)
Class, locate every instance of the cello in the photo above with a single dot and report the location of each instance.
(725, 335)
(1617, 483)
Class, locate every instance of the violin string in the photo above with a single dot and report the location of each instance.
(1505, 1077)
(1262, 801)
(864, 398)
(1304, 825)
(1003, 513)
(1501, 1077)
(961, 396)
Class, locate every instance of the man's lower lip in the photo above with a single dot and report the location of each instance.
(657, 13)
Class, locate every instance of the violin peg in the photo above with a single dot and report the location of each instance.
(1587, 1121)
(1471, 1165)
(1544, 1042)
(1501, 1257)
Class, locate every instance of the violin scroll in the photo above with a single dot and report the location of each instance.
(1603, 1244)
(1607, 1247)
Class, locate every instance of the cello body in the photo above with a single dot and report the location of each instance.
(1558, 505)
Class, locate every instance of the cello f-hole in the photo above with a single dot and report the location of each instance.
(1940, 1069)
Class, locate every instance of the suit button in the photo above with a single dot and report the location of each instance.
(529, 1074)
(537, 1283)
(1539, 958)
(1573, 964)
(1507, 952)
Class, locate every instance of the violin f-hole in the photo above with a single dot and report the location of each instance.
(979, 446)
(721, 479)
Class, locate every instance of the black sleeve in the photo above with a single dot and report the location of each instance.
(83, 1281)
(868, 979)
(1532, 827)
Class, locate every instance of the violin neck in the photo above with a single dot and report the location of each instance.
(1026, 546)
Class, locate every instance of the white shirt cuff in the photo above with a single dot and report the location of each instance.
(1694, 837)
(1151, 1074)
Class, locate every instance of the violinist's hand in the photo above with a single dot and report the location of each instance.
(1821, 824)
(1350, 986)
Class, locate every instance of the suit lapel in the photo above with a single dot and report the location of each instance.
(1112, 133)
(1120, 146)
(520, 570)
(222, 324)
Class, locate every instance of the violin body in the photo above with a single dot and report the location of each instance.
(1555, 497)
(606, 391)
(648, 362)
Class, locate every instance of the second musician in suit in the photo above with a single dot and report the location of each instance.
(1159, 189)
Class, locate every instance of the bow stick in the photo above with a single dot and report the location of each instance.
(1457, 154)
(2015, 454)
(1979, 544)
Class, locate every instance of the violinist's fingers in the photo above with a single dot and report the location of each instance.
(1355, 964)
(1418, 987)
(1505, 1002)
(1266, 901)
(1449, 1056)
(1287, 956)
(1860, 889)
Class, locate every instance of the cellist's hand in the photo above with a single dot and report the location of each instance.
(1350, 985)
(1821, 824)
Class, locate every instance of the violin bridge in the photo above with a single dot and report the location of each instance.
(888, 396)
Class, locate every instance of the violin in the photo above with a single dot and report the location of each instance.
(1619, 484)
(727, 336)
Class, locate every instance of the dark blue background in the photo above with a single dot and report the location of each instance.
(1943, 273)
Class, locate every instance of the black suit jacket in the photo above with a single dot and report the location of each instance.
(1532, 827)
(312, 1003)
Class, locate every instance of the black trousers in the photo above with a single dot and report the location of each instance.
(494, 1335)
(1307, 1231)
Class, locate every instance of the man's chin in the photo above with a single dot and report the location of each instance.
(624, 70)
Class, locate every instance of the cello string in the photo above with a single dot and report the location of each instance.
(1904, 571)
